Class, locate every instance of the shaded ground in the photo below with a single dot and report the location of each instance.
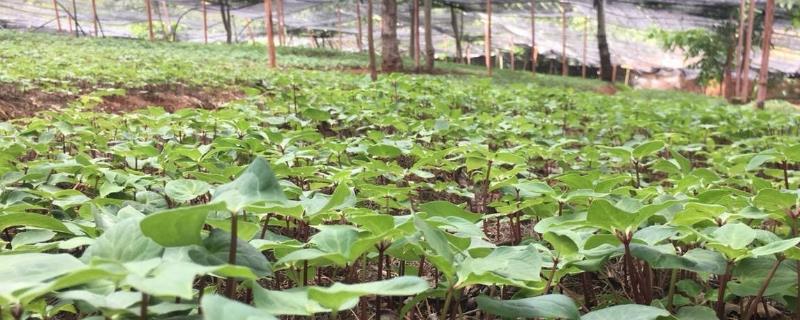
(18, 103)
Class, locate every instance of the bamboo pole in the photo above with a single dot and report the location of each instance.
(487, 38)
(534, 53)
(748, 45)
(205, 21)
(58, 15)
(564, 65)
(359, 41)
(149, 19)
(585, 46)
(763, 72)
(268, 26)
(94, 17)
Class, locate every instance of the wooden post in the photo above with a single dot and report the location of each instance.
(627, 76)
(359, 42)
(511, 56)
(149, 19)
(58, 15)
(737, 55)
(205, 21)
(281, 24)
(75, 17)
(534, 53)
(487, 38)
(564, 66)
(373, 72)
(94, 17)
(500, 59)
(748, 45)
(250, 31)
(613, 73)
(467, 60)
(763, 72)
(585, 45)
(268, 27)
(338, 26)
(415, 22)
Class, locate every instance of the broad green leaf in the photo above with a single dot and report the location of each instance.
(628, 311)
(647, 148)
(293, 301)
(183, 190)
(384, 151)
(124, 242)
(216, 247)
(696, 313)
(219, 308)
(338, 296)
(546, 306)
(32, 220)
(446, 209)
(257, 183)
(178, 227)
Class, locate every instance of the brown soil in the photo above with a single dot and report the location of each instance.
(17, 103)
(607, 89)
(171, 97)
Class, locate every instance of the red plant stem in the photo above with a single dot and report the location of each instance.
(230, 284)
(723, 282)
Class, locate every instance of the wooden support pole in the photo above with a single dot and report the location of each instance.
(534, 53)
(763, 72)
(585, 47)
(613, 73)
(281, 24)
(748, 45)
(149, 9)
(268, 26)
(627, 76)
(338, 26)
(75, 17)
(737, 55)
(359, 41)
(417, 46)
(511, 56)
(250, 31)
(205, 21)
(58, 15)
(487, 38)
(564, 65)
(94, 17)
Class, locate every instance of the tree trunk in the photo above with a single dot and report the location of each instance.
(737, 55)
(416, 44)
(58, 15)
(75, 16)
(602, 43)
(390, 51)
(339, 26)
(763, 72)
(205, 21)
(585, 46)
(149, 19)
(534, 53)
(270, 35)
(94, 17)
(727, 77)
(359, 42)
(373, 73)
(412, 6)
(456, 32)
(225, 11)
(744, 91)
(487, 38)
(166, 27)
(564, 64)
(281, 24)
(429, 51)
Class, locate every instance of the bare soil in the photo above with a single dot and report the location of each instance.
(19, 103)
